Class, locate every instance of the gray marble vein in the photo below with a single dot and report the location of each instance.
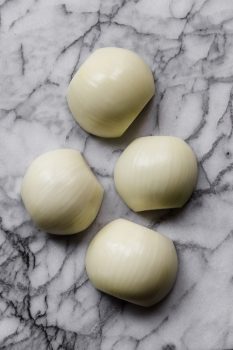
(46, 300)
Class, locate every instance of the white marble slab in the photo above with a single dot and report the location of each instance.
(46, 301)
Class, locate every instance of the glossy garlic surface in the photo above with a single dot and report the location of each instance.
(132, 262)
(109, 91)
(156, 172)
(61, 193)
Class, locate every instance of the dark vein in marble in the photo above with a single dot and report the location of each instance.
(20, 18)
(65, 10)
(202, 123)
(22, 57)
(207, 155)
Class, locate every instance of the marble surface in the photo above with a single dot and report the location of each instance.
(46, 301)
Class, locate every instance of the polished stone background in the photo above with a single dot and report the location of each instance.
(46, 301)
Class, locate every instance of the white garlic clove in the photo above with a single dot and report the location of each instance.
(156, 172)
(109, 90)
(132, 262)
(61, 193)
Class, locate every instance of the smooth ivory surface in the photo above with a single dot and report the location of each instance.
(132, 262)
(61, 193)
(156, 172)
(109, 91)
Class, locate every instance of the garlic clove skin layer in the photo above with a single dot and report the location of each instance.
(61, 193)
(132, 262)
(109, 90)
(156, 172)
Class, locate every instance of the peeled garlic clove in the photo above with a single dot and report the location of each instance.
(132, 262)
(156, 172)
(60, 192)
(109, 90)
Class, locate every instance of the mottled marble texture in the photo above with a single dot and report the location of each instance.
(46, 301)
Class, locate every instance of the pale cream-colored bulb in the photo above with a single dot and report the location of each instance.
(61, 193)
(156, 172)
(109, 91)
(132, 262)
